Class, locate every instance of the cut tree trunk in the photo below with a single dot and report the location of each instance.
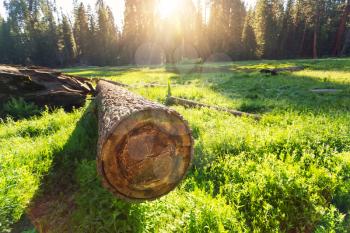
(43, 87)
(144, 148)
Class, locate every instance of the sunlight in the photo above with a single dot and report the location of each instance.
(167, 8)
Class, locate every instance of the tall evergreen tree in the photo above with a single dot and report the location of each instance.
(108, 35)
(287, 31)
(236, 15)
(130, 31)
(2, 52)
(17, 31)
(268, 18)
(81, 33)
(68, 42)
(248, 38)
(45, 39)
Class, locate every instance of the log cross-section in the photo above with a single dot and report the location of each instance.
(144, 148)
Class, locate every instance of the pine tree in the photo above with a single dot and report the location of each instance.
(130, 35)
(92, 53)
(287, 30)
(108, 36)
(268, 21)
(200, 35)
(237, 14)
(16, 31)
(45, 42)
(248, 38)
(216, 27)
(2, 52)
(81, 33)
(68, 42)
(7, 43)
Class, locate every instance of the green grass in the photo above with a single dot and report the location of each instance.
(289, 172)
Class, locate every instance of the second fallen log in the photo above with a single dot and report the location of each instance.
(144, 148)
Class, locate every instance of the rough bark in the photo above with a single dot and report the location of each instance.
(189, 103)
(341, 30)
(278, 70)
(316, 31)
(346, 45)
(314, 43)
(43, 87)
(144, 148)
(302, 43)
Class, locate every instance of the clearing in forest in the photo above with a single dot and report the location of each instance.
(287, 172)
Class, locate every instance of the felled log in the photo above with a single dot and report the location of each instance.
(144, 148)
(278, 70)
(43, 87)
(193, 104)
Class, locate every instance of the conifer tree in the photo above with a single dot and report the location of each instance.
(236, 16)
(248, 38)
(81, 33)
(108, 37)
(68, 42)
(2, 52)
(130, 31)
(287, 31)
(268, 18)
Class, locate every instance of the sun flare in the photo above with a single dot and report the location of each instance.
(167, 9)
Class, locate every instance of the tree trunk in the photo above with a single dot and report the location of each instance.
(314, 44)
(301, 48)
(144, 148)
(346, 45)
(43, 87)
(316, 29)
(341, 30)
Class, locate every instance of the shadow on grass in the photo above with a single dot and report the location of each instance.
(106, 72)
(71, 198)
(259, 93)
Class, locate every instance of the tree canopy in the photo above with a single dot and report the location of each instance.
(35, 32)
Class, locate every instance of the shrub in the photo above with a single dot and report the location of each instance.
(19, 109)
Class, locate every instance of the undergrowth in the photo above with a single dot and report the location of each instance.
(288, 172)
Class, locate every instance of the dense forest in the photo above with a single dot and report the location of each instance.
(36, 32)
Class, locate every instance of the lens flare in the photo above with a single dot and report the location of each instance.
(167, 9)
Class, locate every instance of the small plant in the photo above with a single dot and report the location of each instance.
(18, 109)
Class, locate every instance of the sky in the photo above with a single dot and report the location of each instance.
(117, 7)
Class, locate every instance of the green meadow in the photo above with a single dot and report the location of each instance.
(288, 172)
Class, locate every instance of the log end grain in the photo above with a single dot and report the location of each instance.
(146, 154)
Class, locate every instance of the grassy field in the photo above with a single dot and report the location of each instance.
(288, 172)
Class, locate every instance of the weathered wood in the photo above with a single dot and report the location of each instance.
(144, 148)
(43, 86)
(193, 104)
(341, 30)
(278, 70)
(325, 90)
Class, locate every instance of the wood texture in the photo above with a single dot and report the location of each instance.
(278, 70)
(144, 148)
(43, 86)
(193, 104)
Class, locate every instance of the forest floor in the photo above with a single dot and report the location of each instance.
(288, 172)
